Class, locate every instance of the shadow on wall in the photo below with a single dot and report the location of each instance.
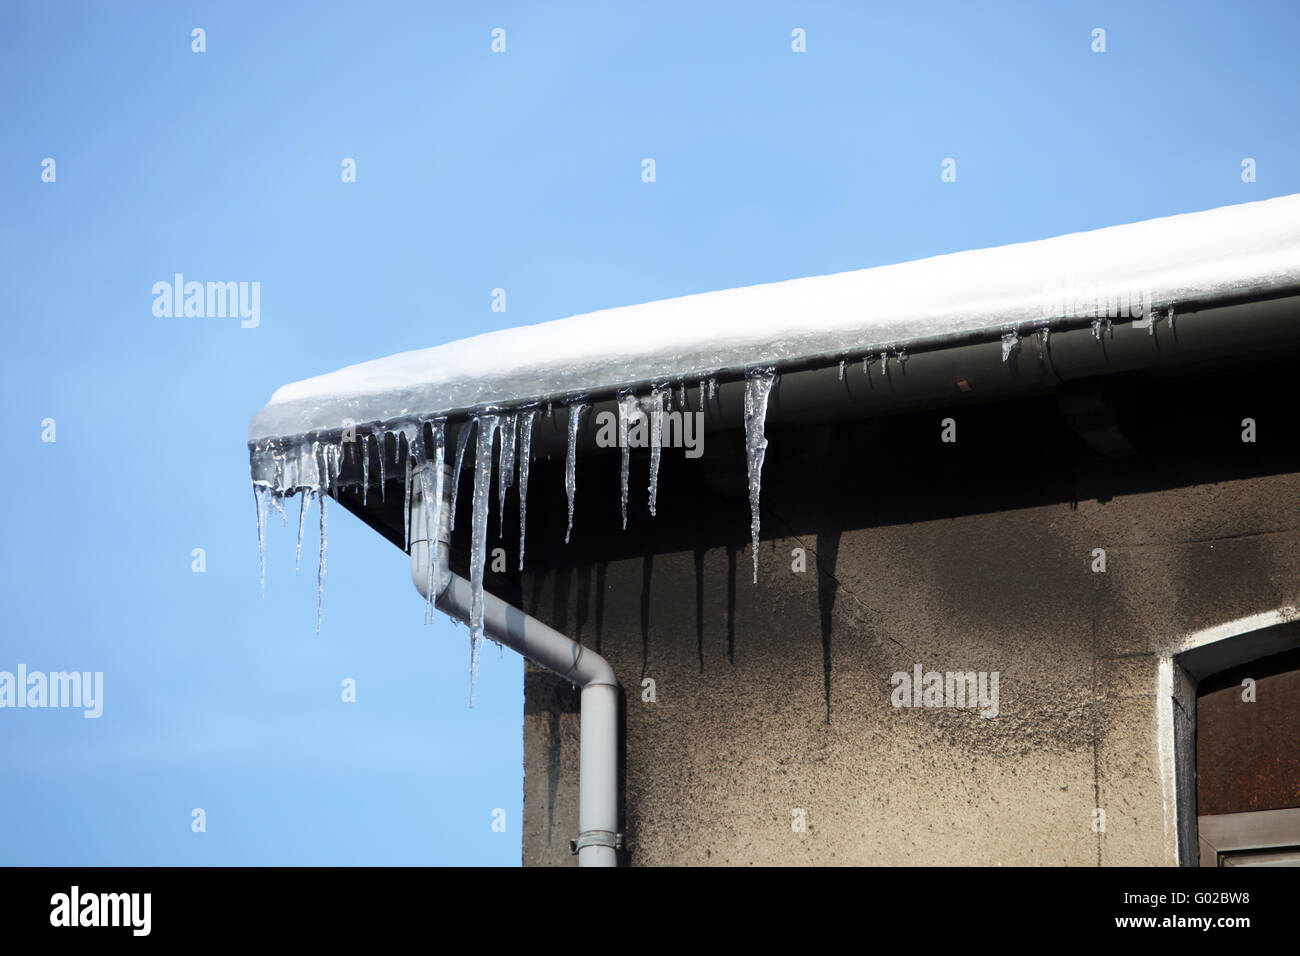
(550, 698)
(875, 472)
(828, 549)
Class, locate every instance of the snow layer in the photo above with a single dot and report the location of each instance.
(1248, 248)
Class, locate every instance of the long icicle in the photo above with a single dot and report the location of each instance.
(524, 435)
(627, 408)
(571, 461)
(506, 471)
(363, 446)
(656, 440)
(487, 426)
(260, 495)
(302, 519)
(431, 484)
(416, 479)
(461, 441)
(758, 385)
(406, 506)
(383, 471)
(320, 567)
(414, 436)
(323, 472)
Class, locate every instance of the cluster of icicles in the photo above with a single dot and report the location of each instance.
(311, 468)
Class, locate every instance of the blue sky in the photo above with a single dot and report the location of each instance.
(475, 171)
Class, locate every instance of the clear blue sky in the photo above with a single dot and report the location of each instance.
(475, 171)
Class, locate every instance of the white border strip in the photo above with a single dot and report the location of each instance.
(1243, 625)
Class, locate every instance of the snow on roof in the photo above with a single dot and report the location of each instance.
(1252, 248)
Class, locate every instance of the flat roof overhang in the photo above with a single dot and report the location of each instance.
(1216, 291)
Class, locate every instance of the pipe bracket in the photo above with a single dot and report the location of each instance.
(596, 838)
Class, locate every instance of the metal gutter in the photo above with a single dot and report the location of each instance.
(931, 370)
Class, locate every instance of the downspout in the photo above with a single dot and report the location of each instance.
(598, 840)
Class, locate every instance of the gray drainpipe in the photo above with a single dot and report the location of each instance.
(599, 840)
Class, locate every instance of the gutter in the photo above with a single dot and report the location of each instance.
(910, 373)
(599, 840)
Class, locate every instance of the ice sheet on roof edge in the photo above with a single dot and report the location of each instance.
(1247, 247)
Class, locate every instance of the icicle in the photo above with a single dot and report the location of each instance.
(429, 503)
(1047, 339)
(1152, 319)
(461, 441)
(377, 438)
(571, 461)
(866, 363)
(506, 473)
(383, 472)
(365, 468)
(1010, 343)
(406, 508)
(320, 455)
(701, 394)
(902, 357)
(524, 435)
(302, 519)
(487, 427)
(314, 480)
(758, 385)
(884, 361)
(320, 566)
(656, 440)
(681, 395)
(261, 500)
(713, 388)
(842, 364)
(1171, 318)
(1099, 326)
(627, 408)
(432, 472)
(277, 502)
(550, 412)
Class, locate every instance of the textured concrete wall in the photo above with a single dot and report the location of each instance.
(974, 556)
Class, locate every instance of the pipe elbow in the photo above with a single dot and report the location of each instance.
(420, 570)
(595, 669)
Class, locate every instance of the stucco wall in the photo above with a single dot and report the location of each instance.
(973, 556)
